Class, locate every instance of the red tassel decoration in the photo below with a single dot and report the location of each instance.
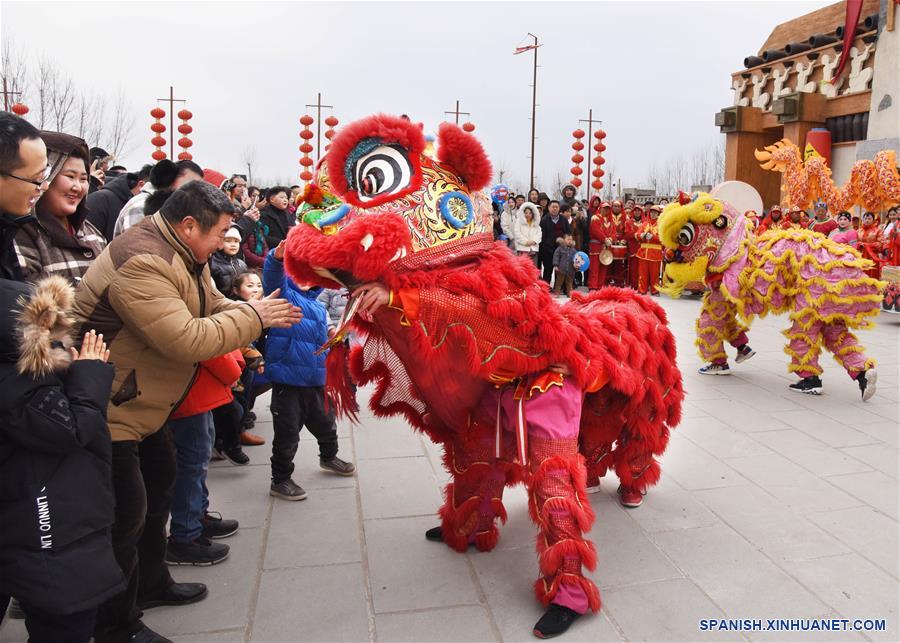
(339, 392)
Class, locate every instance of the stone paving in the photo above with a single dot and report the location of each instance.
(772, 504)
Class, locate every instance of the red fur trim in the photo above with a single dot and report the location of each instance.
(452, 518)
(546, 591)
(581, 513)
(388, 129)
(487, 540)
(340, 394)
(551, 557)
(464, 153)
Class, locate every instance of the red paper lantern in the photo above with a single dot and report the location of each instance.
(579, 133)
(600, 134)
(306, 134)
(19, 109)
(329, 134)
(185, 115)
(185, 156)
(468, 127)
(306, 120)
(577, 170)
(597, 172)
(598, 184)
(185, 129)
(306, 175)
(185, 142)
(577, 158)
(158, 141)
(331, 121)
(157, 112)
(576, 182)
(306, 161)
(599, 160)
(577, 146)
(158, 155)
(601, 147)
(306, 148)
(158, 127)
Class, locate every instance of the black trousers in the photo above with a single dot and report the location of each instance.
(294, 407)
(143, 480)
(545, 263)
(227, 420)
(44, 627)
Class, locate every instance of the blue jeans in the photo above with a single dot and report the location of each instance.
(193, 437)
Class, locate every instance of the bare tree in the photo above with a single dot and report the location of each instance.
(121, 125)
(15, 70)
(609, 186)
(248, 160)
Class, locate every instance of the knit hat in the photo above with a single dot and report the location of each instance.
(214, 178)
(233, 233)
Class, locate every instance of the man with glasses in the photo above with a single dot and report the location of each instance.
(24, 175)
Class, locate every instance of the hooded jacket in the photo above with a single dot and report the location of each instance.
(161, 316)
(568, 201)
(56, 498)
(104, 205)
(290, 352)
(527, 237)
(43, 246)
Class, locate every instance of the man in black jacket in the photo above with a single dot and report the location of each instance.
(104, 205)
(553, 226)
(23, 178)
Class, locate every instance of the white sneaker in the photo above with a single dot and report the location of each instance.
(715, 369)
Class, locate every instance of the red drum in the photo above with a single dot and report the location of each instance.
(619, 252)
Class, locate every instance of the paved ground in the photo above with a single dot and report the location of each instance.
(772, 505)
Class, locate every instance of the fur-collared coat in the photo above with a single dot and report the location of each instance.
(56, 498)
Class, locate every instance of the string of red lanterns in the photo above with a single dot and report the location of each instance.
(306, 147)
(184, 129)
(598, 160)
(158, 128)
(577, 158)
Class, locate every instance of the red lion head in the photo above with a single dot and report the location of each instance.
(391, 198)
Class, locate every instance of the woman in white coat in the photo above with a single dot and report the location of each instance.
(527, 231)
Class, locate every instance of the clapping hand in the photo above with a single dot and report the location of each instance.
(93, 347)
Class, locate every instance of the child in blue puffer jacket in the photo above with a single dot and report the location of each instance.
(298, 382)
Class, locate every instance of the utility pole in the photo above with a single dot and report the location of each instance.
(590, 155)
(318, 105)
(458, 113)
(520, 50)
(7, 93)
(171, 100)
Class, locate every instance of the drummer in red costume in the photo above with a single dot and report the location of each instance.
(773, 221)
(618, 268)
(822, 221)
(649, 254)
(631, 228)
(603, 235)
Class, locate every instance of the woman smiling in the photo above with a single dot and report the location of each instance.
(61, 241)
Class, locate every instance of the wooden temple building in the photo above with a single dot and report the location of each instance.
(785, 91)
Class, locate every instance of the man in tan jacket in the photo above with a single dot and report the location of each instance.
(151, 295)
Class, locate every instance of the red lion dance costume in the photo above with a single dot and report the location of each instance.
(473, 350)
(822, 284)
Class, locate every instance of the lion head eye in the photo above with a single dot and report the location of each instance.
(686, 235)
(384, 170)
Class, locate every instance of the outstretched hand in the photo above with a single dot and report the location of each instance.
(275, 312)
(93, 347)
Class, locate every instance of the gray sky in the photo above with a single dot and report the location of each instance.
(655, 72)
